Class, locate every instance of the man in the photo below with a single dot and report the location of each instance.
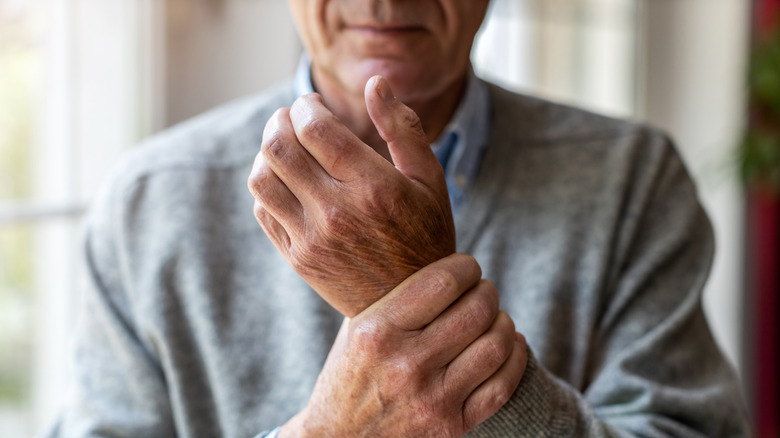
(588, 228)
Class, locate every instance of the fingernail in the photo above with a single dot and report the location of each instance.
(383, 88)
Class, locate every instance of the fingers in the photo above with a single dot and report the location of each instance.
(423, 296)
(273, 195)
(480, 360)
(491, 395)
(400, 127)
(273, 229)
(337, 150)
(290, 161)
(462, 323)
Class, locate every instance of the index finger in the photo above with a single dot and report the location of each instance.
(340, 152)
(422, 297)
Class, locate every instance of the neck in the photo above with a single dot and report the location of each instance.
(350, 107)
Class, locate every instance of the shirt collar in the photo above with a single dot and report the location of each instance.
(467, 134)
(465, 137)
(302, 82)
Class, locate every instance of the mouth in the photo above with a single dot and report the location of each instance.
(385, 29)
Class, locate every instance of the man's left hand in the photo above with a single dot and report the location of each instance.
(352, 224)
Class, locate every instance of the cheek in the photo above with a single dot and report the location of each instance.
(462, 20)
(311, 23)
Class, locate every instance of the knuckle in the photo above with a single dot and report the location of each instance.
(477, 269)
(259, 181)
(301, 105)
(407, 368)
(495, 351)
(478, 311)
(364, 333)
(276, 119)
(500, 395)
(310, 99)
(272, 126)
(261, 214)
(483, 308)
(369, 339)
(494, 398)
(280, 113)
(467, 264)
(314, 129)
(274, 148)
(443, 281)
(385, 198)
(335, 222)
(412, 120)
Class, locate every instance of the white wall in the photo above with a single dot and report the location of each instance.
(219, 50)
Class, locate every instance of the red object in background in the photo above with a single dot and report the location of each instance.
(764, 252)
(767, 14)
(763, 273)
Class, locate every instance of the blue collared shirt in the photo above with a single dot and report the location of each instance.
(462, 143)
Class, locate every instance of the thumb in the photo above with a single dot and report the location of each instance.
(401, 128)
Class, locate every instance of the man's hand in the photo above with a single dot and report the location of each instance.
(350, 223)
(434, 357)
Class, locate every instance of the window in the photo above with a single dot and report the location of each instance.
(22, 29)
(80, 82)
(71, 102)
(580, 52)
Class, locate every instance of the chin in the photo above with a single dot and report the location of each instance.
(409, 82)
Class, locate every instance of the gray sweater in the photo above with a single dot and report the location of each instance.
(194, 326)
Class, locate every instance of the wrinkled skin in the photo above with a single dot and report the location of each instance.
(350, 223)
(406, 370)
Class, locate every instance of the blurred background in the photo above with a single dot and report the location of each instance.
(83, 80)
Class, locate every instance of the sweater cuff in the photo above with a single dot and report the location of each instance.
(540, 406)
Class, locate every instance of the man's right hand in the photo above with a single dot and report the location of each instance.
(434, 357)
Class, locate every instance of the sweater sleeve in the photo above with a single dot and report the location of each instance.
(654, 368)
(118, 387)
